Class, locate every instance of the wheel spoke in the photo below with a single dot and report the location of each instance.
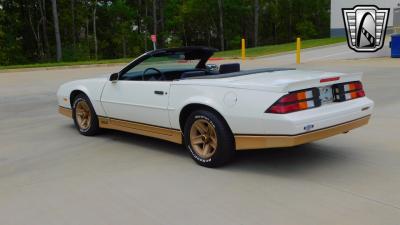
(206, 150)
(213, 139)
(201, 128)
(210, 128)
(197, 140)
(213, 145)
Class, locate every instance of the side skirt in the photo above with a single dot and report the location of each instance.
(142, 129)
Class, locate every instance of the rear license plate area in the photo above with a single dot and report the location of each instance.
(326, 95)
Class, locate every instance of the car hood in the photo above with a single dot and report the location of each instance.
(99, 79)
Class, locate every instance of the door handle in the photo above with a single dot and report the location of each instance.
(159, 92)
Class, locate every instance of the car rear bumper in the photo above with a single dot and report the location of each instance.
(276, 141)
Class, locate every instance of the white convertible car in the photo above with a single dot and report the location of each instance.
(172, 94)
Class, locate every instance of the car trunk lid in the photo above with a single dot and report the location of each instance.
(291, 80)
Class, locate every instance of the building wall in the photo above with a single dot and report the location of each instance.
(337, 24)
(396, 17)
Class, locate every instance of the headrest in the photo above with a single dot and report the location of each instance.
(192, 74)
(229, 68)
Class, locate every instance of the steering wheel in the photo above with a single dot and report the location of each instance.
(162, 77)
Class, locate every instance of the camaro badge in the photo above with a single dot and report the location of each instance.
(365, 27)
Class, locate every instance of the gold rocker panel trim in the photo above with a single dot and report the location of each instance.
(65, 111)
(142, 129)
(243, 142)
(247, 142)
(132, 127)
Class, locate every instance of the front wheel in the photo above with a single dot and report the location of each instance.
(208, 139)
(84, 116)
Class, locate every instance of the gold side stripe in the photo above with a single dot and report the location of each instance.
(142, 129)
(244, 142)
(132, 127)
(65, 111)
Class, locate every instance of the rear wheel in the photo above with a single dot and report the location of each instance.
(208, 139)
(84, 116)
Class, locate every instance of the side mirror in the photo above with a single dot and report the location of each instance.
(212, 67)
(114, 77)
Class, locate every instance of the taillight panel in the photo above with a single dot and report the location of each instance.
(348, 91)
(310, 98)
(296, 101)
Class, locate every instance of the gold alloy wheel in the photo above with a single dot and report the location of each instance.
(203, 138)
(83, 115)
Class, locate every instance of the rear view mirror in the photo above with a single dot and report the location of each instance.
(114, 77)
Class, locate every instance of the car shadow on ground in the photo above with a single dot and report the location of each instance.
(279, 161)
(298, 160)
(151, 144)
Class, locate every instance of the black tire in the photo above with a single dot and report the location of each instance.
(93, 124)
(225, 148)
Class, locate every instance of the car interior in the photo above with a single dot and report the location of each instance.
(223, 69)
(182, 63)
(175, 64)
(154, 74)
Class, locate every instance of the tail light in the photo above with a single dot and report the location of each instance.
(348, 91)
(310, 98)
(296, 101)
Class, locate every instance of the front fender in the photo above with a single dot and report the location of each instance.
(91, 87)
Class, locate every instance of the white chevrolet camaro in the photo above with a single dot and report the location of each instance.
(172, 94)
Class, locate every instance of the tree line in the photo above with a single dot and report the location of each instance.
(34, 31)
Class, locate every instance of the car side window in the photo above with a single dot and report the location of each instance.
(159, 67)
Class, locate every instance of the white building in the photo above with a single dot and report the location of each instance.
(337, 24)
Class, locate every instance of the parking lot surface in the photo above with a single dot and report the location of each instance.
(49, 174)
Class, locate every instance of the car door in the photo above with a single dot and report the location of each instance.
(137, 101)
(139, 92)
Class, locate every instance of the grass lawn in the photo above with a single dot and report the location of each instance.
(274, 49)
(57, 64)
(250, 52)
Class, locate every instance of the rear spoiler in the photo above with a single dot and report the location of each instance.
(321, 81)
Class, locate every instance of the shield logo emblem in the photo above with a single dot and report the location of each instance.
(365, 27)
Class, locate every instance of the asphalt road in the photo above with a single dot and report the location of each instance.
(49, 174)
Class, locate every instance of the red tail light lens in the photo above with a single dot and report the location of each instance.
(348, 91)
(288, 98)
(295, 101)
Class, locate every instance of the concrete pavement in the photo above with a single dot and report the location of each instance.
(49, 174)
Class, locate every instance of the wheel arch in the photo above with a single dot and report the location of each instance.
(75, 93)
(189, 108)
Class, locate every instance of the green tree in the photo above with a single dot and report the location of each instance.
(101, 29)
